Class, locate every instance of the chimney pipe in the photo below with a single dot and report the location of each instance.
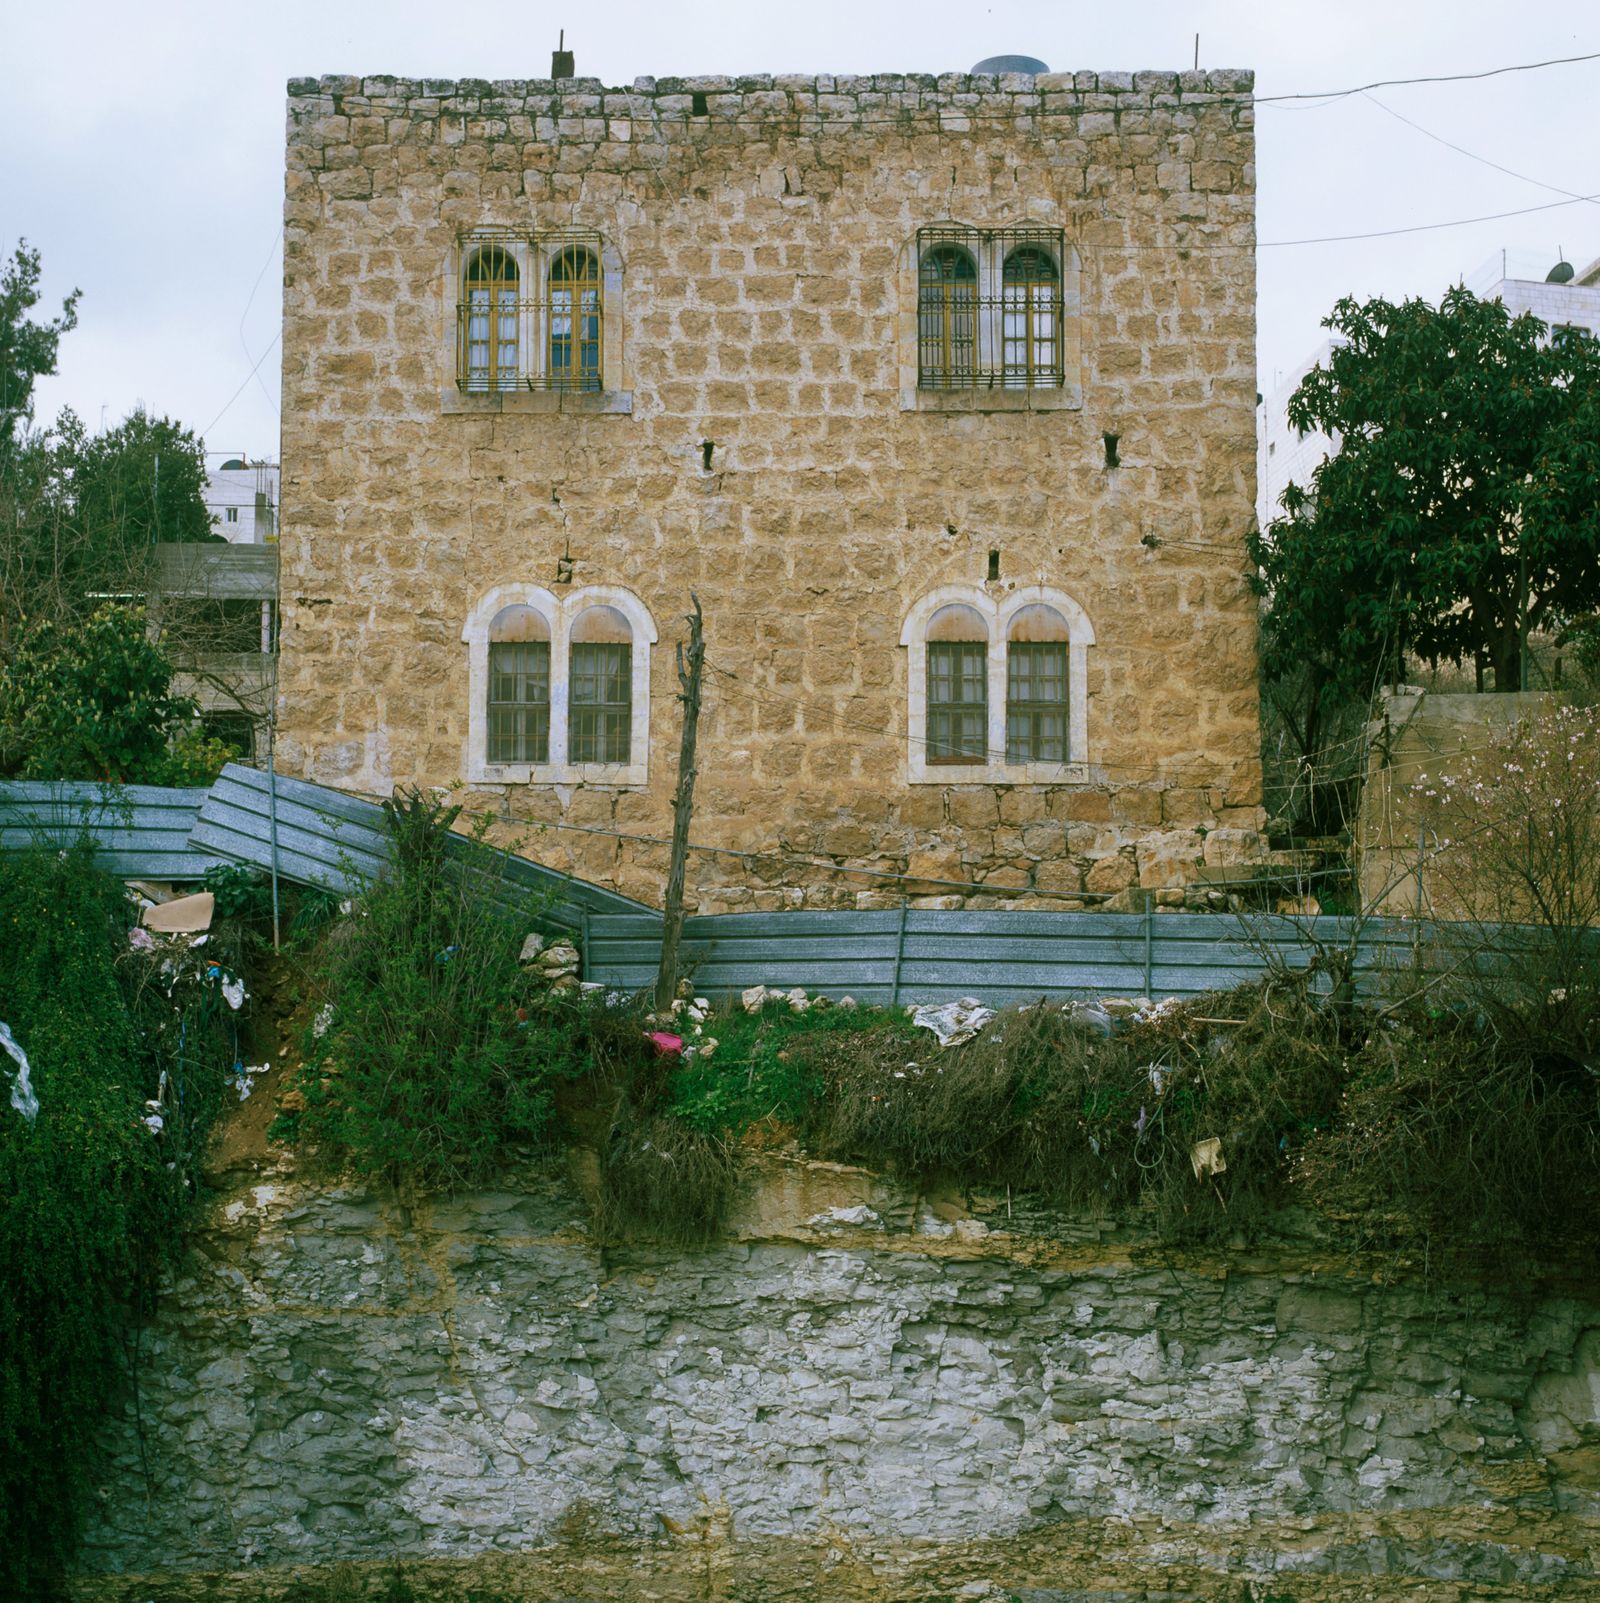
(561, 59)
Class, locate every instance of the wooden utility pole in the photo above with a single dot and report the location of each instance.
(689, 665)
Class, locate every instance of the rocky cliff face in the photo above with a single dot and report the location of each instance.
(862, 1394)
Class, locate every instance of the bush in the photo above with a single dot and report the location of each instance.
(762, 1070)
(1046, 1103)
(91, 1199)
(1452, 1138)
(440, 1052)
(663, 1179)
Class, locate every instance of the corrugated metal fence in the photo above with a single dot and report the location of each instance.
(325, 837)
(925, 955)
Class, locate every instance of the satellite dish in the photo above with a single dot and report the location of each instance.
(1561, 273)
(1031, 65)
(232, 465)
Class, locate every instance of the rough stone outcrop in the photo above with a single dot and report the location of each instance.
(862, 1394)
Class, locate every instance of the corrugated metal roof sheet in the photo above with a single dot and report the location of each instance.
(328, 838)
(138, 831)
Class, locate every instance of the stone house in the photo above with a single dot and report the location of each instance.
(938, 392)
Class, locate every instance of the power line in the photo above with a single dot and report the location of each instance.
(1421, 228)
(240, 391)
(1461, 150)
(1447, 77)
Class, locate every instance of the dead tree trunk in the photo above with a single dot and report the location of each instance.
(689, 665)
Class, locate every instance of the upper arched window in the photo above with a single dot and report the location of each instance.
(600, 694)
(532, 320)
(947, 316)
(992, 309)
(519, 686)
(1038, 707)
(958, 686)
(576, 311)
(490, 332)
(1031, 321)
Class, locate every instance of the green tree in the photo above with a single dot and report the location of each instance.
(27, 349)
(1461, 510)
(93, 700)
(139, 484)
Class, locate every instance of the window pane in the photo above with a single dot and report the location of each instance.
(958, 697)
(1036, 702)
(576, 317)
(519, 702)
(600, 703)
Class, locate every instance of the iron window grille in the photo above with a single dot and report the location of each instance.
(958, 698)
(519, 702)
(531, 312)
(600, 703)
(990, 306)
(1036, 701)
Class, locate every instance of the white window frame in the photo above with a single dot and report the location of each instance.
(998, 614)
(559, 614)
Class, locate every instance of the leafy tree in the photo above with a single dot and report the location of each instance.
(27, 349)
(93, 700)
(1461, 510)
(139, 484)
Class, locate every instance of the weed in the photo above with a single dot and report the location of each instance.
(1041, 1103)
(761, 1070)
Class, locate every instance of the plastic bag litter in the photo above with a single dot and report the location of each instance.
(954, 1023)
(22, 1097)
(233, 991)
(1206, 1158)
(243, 1077)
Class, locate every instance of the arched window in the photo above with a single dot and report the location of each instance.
(519, 686)
(947, 318)
(1038, 706)
(958, 681)
(1031, 333)
(576, 312)
(997, 686)
(489, 331)
(600, 692)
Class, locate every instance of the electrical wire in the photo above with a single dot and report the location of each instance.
(1330, 95)
(243, 387)
(1471, 155)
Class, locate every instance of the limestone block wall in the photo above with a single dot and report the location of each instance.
(756, 444)
(862, 1394)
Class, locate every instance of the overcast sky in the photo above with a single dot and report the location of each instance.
(141, 146)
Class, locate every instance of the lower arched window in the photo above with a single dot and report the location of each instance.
(997, 686)
(558, 686)
(1038, 709)
(600, 692)
(519, 686)
(958, 686)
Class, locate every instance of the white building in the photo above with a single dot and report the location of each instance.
(242, 497)
(1525, 282)
(1284, 455)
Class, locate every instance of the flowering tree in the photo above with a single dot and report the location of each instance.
(1517, 854)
